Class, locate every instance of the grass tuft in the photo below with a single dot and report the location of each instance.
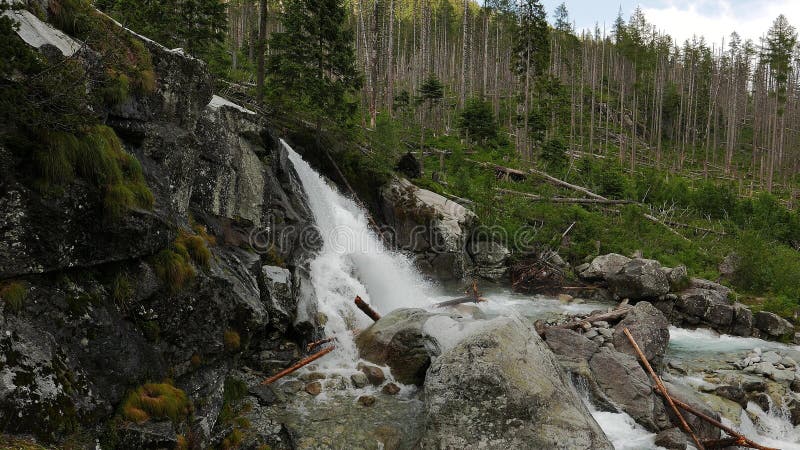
(14, 295)
(232, 341)
(173, 268)
(158, 401)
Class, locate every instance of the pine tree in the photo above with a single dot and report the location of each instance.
(313, 65)
(562, 22)
(531, 53)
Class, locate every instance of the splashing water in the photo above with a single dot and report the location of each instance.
(353, 262)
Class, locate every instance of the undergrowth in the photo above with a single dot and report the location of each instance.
(156, 401)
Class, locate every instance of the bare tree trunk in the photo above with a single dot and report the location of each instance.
(262, 42)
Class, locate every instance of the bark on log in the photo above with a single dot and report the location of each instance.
(299, 365)
(590, 201)
(563, 183)
(363, 306)
(671, 230)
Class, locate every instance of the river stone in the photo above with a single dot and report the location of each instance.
(359, 380)
(374, 374)
(625, 383)
(772, 324)
(672, 439)
(569, 343)
(366, 400)
(390, 389)
(314, 388)
(703, 430)
(732, 393)
(398, 340)
(649, 328)
(604, 266)
(639, 279)
(501, 387)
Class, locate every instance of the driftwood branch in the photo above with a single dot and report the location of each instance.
(300, 364)
(663, 389)
(590, 201)
(363, 306)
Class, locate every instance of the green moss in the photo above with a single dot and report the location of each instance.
(14, 295)
(195, 246)
(235, 391)
(157, 401)
(115, 89)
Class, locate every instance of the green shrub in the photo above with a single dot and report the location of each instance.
(781, 305)
(14, 295)
(159, 401)
(553, 154)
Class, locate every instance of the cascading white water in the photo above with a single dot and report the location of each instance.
(353, 261)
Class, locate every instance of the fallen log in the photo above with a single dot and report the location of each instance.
(740, 440)
(299, 365)
(663, 389)
(614, 315)
(563, 183)
(590, 201)
(363, 306)
(671, 230)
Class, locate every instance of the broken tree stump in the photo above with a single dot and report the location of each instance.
(299, 365)
(363, 306)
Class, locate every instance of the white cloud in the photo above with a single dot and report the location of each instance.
(715, 19)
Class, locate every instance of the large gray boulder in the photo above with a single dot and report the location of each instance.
(625, 383)
(604, 266)
(278, 296)
(401, 341)
(702, 429)
(434, 228)
(566, 342)
(502, 388)
(649, 328)
(639, 279)
(490, 259)
(772, 324)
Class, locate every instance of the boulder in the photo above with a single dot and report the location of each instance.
(639, 279)
(501, 387)
(604, 266)
(625, 383)
(569, 343)
(649, 327)
(742, 320)
(672, 439)
(728, 265)
(434, 228)
(772, 324)
(678, 277)
(399, 341)
(490, 259)
(700, 283)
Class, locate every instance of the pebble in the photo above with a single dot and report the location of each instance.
(313, 376)
(359, 380)
(337, 383)
(607, 333)
(591, 334)
(374, 374)
(788, 362)
(771, 357)
(314, 388)
(601, 324)
(391, 389)
(292, 386)
(366, 400)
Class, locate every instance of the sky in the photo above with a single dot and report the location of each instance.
(713, 19)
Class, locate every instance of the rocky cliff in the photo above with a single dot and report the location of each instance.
(175, 296)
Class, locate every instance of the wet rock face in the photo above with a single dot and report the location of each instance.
(490, 260)
(501, 388)
(772, 324)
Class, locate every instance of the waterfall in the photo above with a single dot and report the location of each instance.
(353, 261)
